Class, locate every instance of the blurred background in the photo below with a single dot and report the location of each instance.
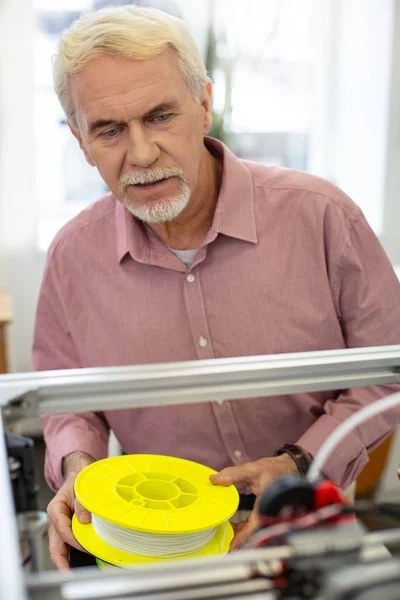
(309, 84)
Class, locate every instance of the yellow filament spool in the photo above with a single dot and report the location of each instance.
(152, 494)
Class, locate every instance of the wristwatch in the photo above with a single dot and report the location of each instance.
(298, 455)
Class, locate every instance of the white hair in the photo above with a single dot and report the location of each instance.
(156, 212)
(130, 32)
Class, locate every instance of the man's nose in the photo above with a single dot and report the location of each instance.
(142, 150)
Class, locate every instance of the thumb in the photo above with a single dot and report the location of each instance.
(82, 514)
(230, 475)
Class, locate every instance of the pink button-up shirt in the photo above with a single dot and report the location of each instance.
(289, 265)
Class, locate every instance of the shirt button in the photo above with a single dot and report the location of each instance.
(203, 342)
(190, 277)
(237, 454)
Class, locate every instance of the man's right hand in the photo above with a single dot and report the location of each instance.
(60, 511)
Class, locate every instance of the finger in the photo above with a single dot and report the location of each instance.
(235, 527)
(243, 534)
(60, 516)
(59, 552)
(82, 514)
(246, 529)
(231, 475)
(238, 526)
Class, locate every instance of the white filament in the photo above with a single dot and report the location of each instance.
(347, 427)
(151, 544)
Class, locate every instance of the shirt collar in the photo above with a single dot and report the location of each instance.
(234, 213)
(233, 217)
(131, 236)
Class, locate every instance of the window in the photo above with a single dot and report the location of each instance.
(269, 65)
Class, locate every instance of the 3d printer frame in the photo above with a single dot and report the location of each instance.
(31, 394)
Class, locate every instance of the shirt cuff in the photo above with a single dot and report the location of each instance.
(66, 443)
(348, 458)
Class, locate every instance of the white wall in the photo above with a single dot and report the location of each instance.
(361, 88)
(364, 121)
(23, 263)
(391, 237)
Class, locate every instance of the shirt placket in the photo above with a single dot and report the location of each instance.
(197, 318)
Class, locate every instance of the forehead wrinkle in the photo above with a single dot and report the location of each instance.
(118, 96)
(92, 80)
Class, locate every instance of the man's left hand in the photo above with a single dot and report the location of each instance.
(257, 475)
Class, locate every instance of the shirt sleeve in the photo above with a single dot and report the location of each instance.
(53, 348)
(366, 293)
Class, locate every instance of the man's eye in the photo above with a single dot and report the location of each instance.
(160, 118)
(110, 133)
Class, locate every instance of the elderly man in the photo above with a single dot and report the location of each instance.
(196, 254)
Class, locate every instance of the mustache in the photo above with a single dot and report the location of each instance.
(146, 177)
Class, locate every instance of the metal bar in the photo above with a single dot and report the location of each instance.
(180, 574)
(11, 581)
(202, 381)
(188, 591)
(184, 574)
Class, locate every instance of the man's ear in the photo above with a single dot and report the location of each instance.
(76, 134)
(206, 102)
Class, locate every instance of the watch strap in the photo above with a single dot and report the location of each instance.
(298, 455)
